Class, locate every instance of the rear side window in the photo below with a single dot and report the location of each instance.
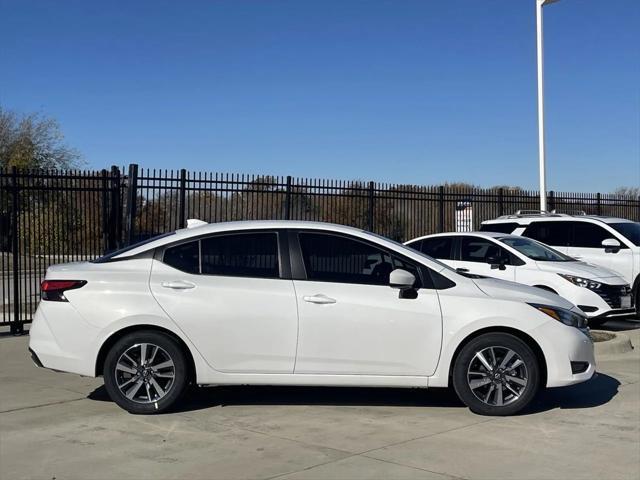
(184, 257)
(588, 235)
(499, 227)
(551, 233)
(438, 247)
(333, 258)
(241, 255)
(234, 255)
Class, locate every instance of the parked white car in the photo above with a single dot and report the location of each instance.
(301, 303)
(601, 293)
(609, 242)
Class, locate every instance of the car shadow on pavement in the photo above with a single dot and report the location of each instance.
(597, 391)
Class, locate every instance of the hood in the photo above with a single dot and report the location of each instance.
(579, 269)
(505, 290)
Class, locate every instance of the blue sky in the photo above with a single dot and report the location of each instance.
(400, 91)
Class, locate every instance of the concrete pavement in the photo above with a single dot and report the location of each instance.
(64, 427)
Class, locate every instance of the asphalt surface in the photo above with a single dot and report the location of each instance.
(61, 426)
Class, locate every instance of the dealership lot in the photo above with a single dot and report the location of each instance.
(64, 427)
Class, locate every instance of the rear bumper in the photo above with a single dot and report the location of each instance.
(60, 340)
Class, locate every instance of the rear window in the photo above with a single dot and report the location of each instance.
(110, 256)
(499, 227)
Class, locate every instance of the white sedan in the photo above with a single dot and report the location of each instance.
(301, 303)
(598, 291)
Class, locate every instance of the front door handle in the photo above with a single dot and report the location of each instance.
(319, 299)
(178, 285)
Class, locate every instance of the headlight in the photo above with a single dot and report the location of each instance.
(582, 282)
(563, 315)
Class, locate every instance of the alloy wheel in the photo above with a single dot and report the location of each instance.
(145, 373)
(497, 376)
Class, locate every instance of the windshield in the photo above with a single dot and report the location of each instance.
(109, 256)
(630, 230)
(535, 250)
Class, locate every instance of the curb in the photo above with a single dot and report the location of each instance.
(620, 343)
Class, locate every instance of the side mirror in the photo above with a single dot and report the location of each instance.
(497, 263)
(611, 245)
(403, 281)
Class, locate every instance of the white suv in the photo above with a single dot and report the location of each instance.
(605, 241)
(301, 303)
(601, 293)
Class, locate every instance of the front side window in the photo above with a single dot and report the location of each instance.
(535, 250)
(588, 235)
(241, 255)
(333, 258)
(630, 230)
(474, 249)
(551, 233)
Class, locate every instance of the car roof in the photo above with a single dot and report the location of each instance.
(457, 234)
(554, 217)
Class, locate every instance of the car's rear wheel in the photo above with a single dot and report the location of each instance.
(145, 372)
(496, 374)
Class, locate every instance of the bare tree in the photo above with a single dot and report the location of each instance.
(33, 141)
(627, 191)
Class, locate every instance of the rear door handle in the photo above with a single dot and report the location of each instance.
(178, 285)
(319, 299)
(463, 270)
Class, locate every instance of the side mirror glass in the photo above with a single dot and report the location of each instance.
(611, 245)
(401, 279)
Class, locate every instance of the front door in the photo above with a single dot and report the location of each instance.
(352, 322)
(226, 294)
(586, 245)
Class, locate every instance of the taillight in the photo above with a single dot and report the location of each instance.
(53, 290)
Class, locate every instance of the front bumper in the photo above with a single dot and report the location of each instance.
(604, 302)
(565, 347)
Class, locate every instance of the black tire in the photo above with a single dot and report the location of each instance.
(500, 343)
(596, 322)
(147, 399)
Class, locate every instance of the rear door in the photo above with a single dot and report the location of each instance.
(228, 294)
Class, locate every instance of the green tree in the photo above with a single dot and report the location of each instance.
(33, 141)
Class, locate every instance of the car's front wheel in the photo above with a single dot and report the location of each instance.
(145, 372)
(496, 374)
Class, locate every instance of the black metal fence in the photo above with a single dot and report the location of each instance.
(49, 217)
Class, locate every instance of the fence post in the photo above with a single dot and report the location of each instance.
(104, 186)
(440, 209)
(115, 212)
(183, 190)
(370, 211)
(598, 204)
(501, 202)
(132, 191)
(552, 201)
(287, 200)
(17, 327)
